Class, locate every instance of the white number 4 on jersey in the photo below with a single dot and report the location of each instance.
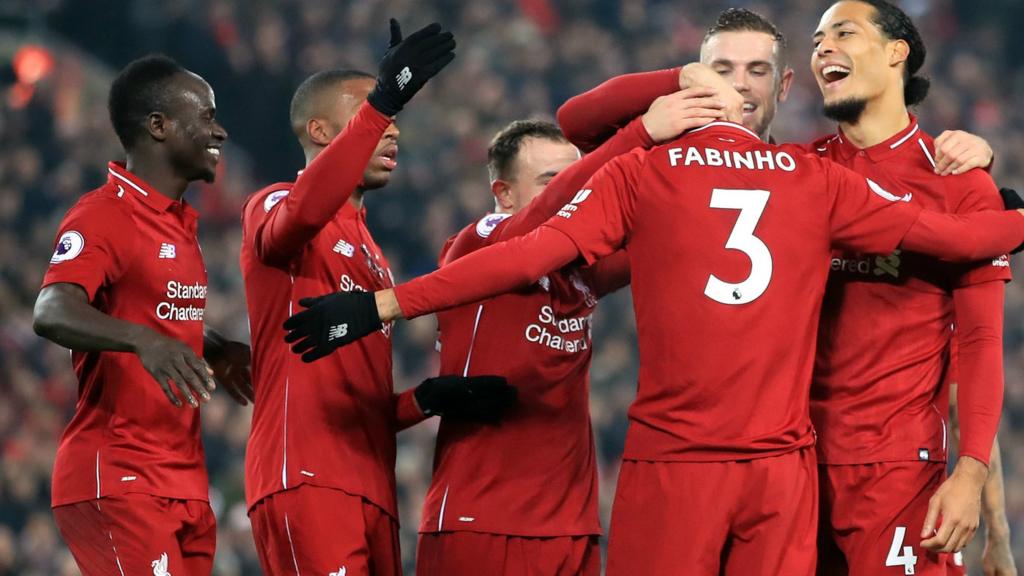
(895, 558)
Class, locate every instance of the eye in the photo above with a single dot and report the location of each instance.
(844, 33)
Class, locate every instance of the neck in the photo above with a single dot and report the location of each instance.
(883, 118)
(158, 173)
(356, 200)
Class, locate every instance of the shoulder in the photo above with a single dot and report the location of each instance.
(263, 200)
(106, 206)
(471, 238)
(819, 145)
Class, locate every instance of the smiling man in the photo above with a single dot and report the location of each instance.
(126, 291)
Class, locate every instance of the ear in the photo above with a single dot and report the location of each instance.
(502, 191)
(785, 84)
(899, 51)
(319, 132)
(157, 125)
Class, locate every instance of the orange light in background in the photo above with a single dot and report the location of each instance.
(32, 63)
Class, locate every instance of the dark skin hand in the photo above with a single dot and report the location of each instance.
(230, 361)
(63, 315)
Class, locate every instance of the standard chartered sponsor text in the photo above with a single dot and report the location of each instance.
(169, 310)
(564, 334)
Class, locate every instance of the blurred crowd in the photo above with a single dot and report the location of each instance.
(516, 59)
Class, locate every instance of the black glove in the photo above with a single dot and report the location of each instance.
(408, 64)
(469, 398)
(1012, 201)
(330, 322)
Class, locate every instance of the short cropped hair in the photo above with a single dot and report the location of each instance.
(142, 87)
(505, 147)
(896, 25)
(743, 20)
(308, 95)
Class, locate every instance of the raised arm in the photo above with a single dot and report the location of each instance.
(590, 118)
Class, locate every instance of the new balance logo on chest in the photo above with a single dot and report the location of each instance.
(344, 248)
(166, 251)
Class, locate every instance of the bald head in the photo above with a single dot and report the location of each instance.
(317, 97)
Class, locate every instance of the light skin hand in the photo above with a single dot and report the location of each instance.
(958, 503)
(672, 114)
(997, 559)
(957, 152)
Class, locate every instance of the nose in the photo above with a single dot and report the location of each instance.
(824, 48)
(392, 131)
(740, 81)
(219, 132)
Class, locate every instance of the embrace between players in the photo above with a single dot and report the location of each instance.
(795, 308)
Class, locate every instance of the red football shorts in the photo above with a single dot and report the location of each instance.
(871, 519)
(315, 530)
(139, 534)
(473, 554)
(743, 518)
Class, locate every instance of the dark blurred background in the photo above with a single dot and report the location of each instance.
(515, 59)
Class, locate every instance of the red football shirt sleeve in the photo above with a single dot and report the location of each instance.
(321, 190)
(864, 217)
(598, 219)
(590, 118)
(95, 245)
(973, 192)
(487, 272)
(609, 274)
(407, 411)
(979, 318)
(567, 183)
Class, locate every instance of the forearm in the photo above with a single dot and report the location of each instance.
(561, 190)
(993, 497)
(965, 238)
(590, 118)
(323, 187)
(488, 272)
(979, 318)
(63, 315)
(407, 411)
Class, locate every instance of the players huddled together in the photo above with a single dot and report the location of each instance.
(809, 316)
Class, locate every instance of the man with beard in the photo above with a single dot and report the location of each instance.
(126, 291)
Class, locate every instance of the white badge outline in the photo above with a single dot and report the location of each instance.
(77, 245)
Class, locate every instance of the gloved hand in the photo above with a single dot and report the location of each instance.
(469, 398)
(1012, 201)
(408, 64)
(330, 322)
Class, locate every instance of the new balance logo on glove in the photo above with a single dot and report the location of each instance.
(403, 78)
(336, 332)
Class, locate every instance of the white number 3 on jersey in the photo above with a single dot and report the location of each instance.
(895, 557)
(751, 205)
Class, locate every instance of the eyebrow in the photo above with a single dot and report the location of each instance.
(834, 26)
(548, 174)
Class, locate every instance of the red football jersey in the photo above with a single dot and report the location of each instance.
(135, 253)
(728, 240)
(534, 473)
(330, 423)
(539, 339)
(883, 344)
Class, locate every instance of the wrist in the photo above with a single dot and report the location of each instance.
(972, 470)
(997, 529)
(387, 305)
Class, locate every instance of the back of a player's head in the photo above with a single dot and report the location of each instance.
(505, 147)
(896, 25)
(743, 20)
(315, 93)
(141, 88)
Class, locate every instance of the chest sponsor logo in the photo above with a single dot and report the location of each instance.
(273, 198)
(574, 205)
(344, 248)
(877, 266)
(562, 334)
(488, 223)
(160, 566)
(174, 309)
(167, 250)
(68, 247)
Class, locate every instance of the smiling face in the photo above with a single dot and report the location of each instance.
(853, 62)
(194, 138)
(749, 60)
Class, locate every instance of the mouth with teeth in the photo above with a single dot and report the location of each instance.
(213, 151)
(749, 108)
(387, 157)
(834, 74)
